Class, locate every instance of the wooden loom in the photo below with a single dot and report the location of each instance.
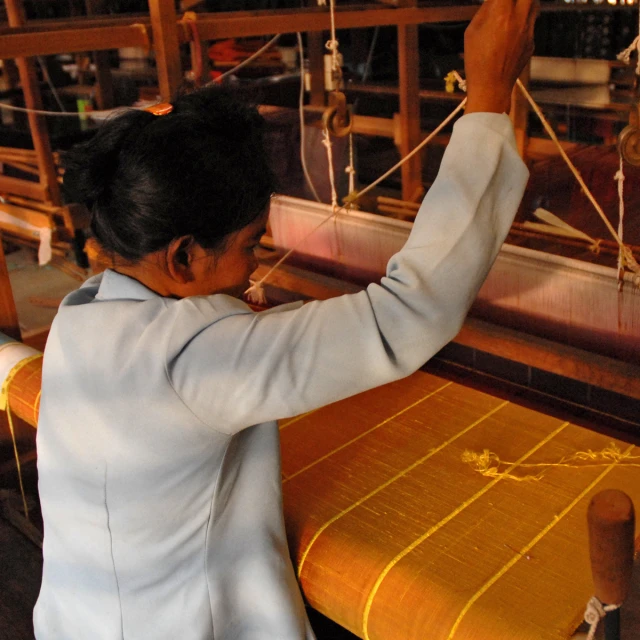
(385, 470)
(395, 538)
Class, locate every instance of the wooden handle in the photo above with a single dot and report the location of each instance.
(611, 523)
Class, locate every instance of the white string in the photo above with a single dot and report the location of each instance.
(332, 44)
(595, 612)
(255, 292)
(303, 156)
(63, 114)
(326, 141)
(47, 77)
(629, 259)
(106, 112)
(351, 170)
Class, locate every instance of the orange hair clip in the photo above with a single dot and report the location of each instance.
(160, 109)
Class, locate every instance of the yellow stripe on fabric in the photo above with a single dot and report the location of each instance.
(364, 433)
(36, 408)
(286, 423)
(487, 585)
(399, 475)
(459, 509)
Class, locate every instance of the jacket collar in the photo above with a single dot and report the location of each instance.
(116, 286)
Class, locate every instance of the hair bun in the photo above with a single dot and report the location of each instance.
(90, 166)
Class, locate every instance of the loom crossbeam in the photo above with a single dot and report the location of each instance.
(572, 301)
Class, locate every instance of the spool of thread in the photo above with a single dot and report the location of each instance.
(611, 522)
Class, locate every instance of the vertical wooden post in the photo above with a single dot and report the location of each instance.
(33, 100)
(8, 314)
(519, 113)
(409, 76)
(104, 81)
(12, 81)
(166, 46)
(316, 51)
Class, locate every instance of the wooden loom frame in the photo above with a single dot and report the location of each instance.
(163, 32)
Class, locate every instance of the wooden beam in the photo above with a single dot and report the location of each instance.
(166, 46)
(66, 36)
(246, 23)
(315, 51)
(8, 314)
(46, 41)
(32, 190)
(409, 70)
(104, 81)
(520, 112)
(33, 100)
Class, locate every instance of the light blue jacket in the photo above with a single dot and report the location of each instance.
(158, 451)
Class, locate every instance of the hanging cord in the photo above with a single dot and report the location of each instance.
(625, 56)
(367, 66)
(332, 45)
(61, 114)
(326, 141)
(351, 169)
(47, 77)
(255, 292)
(629, 260)
(303, 156)
(106, 112)
(595, 612)
(18, 465)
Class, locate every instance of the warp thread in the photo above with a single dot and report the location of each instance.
(629, 260)
(619, 177)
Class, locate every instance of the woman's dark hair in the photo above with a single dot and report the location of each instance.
(201, 170)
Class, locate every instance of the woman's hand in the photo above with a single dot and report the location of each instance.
(497, 44)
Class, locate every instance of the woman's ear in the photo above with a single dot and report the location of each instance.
(180, 256)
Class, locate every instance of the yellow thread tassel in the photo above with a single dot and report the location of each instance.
(488, 463)
(18, 465)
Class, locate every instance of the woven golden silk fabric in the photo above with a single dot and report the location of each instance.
(23, 389)
(395, 538)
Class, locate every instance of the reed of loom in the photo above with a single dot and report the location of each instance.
(575, 298)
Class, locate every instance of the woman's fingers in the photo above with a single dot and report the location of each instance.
(498, 44)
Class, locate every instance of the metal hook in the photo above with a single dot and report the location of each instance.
(629, 138)
(337, 116)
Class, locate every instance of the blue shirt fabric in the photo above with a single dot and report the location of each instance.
(158, 450)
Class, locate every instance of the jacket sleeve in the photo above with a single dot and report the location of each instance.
(245, 369)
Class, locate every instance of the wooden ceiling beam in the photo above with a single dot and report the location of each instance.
(111, 33)
(212, 26)
(46, 42)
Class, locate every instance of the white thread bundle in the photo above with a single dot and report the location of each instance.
(595, 612)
